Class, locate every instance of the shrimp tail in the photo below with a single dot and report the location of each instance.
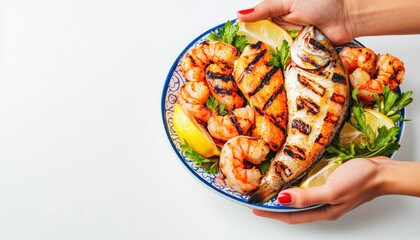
(262, 194)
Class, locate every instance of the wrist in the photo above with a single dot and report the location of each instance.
(398, 177)
(352, 16)
(381, 17)
(385, 178)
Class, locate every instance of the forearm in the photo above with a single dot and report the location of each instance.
(399, 177)
(383, 17)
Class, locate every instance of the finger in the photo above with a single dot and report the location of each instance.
(264, 10)
(324, 213)
(284, 24)
(303, 197)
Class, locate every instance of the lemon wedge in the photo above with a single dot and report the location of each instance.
(190, 130)
(265, 31)
(349, 134)
(373, 118)
(377, 120)
(319, 174)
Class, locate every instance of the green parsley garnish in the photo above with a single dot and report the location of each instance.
(293, 32)
(228, 34)
(381, 144)
(209, 165)
(391, 104)
(213, 104)
(265, 165)
(280, 57)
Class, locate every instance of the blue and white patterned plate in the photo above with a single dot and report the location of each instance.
(174, 81)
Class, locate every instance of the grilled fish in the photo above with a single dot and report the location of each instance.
(318, 97)
(263, 86)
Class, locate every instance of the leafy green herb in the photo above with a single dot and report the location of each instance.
(293, 32)
(228, 34)
(381, 144)
(280, 57)
(215, 37)
(391, 104)
(209, 165)
(265, 165)
(240, 42)
(213, 104)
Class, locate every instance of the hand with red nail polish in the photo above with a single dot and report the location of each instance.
(350, 185)
(284, 198)
(328, 15)
(341, 20)
(246, 11)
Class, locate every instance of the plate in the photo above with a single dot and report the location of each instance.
(174, 81)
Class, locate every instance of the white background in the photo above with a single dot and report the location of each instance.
(83, 152)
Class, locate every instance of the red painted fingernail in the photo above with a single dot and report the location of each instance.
(246, 11)
(284, 198)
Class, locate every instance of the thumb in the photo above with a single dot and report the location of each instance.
(264, 10)
(303, 197)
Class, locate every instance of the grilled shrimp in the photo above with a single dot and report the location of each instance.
(370, 73)
(223, 87)
(263, 86)
(195, 62)
(193, 97)
(238, 122)
(238, 155)
(358, 57)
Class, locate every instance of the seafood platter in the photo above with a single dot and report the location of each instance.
(248, 117)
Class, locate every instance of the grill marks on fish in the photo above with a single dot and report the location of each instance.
(318, 45)
(256, 45)
(264, 81)
(310, 61)
(281, 167)
(240, 79)
(338, 78)
(301, 126)
(272, 119)
(338, 98)
(273, 97)
(307, 103)
(252, 64)
(321, 140)
(312, 85)
(259, 111)
(295, 152)
(331, 118)
(276, 123)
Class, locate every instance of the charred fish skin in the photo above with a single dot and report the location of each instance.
(263, 86)
(318, 97)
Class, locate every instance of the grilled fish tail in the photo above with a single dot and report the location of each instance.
(270, 185)
(262, 194)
